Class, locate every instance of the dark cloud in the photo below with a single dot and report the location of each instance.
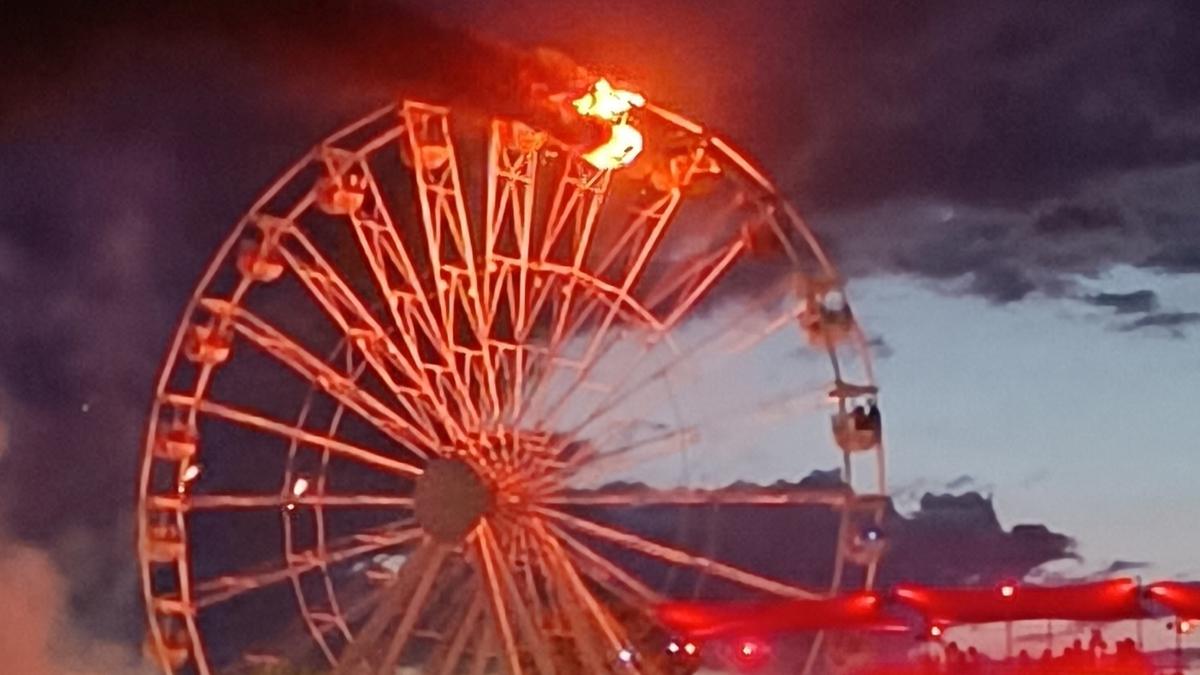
(1135, 302)
(958, 540)
(1183, 258)
(1070, 219)
(960, 482)
(950, 539)
(1170, 322)
(1120, 566)
(1002, 283)
(880, 347)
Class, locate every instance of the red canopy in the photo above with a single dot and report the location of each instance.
(1182, 599)
(856, 611)
(1111, 600)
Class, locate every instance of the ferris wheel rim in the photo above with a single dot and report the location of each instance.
(223, 254)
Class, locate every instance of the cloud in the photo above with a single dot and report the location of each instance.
(1075, 570)
(958, 539)
(960, 482)
(1178, 259)
(1170, 322)
(996, 151)
(948, 540)
(1119, 566)
(880, 347)
(1068, 219)
(992, 104)
(1135, 302)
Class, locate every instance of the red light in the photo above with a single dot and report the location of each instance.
(935, 631)
(750, 653)
(1185, 626)
(690, 649)
(1008, 590)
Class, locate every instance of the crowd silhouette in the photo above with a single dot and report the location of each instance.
(1123, 658)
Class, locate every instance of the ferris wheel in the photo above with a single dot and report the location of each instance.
(458, 396)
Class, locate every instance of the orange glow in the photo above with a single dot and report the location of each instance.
(612, 105)
(621, 148)
(607, 103)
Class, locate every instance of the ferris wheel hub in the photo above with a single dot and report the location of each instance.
(449, 499)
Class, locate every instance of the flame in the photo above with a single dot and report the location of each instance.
(607, 103)
(621, 148)
(612, 105)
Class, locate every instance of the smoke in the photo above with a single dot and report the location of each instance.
(37, 636)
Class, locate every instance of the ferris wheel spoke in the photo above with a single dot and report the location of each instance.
(834, 498)
(337, 447)
(417, 311)
(498, 604)
(412, 611)
(653, 549)
(632, 380)
(633, 453)
(401, 370)
(578, 592)
(221, 589)
(512, 178)
(388, 603)
(533, 590)
(485, 649)
(209, 502)
(450, 660)
(333, 383)
(614, 296)
(600, 569)
(448, 233)
(570, 604)
(512, 175)
(692, 284)
(505, 594)
(638, 240)
(591, 463)
(578, 198)
(659, 215)
(582, 370)
(449, 600)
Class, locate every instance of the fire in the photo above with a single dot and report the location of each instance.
(621, 148)
(612, 105)
(607, 103)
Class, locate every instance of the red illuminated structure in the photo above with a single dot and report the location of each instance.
(940, 608)
(403, 388)
(855, 611)
(1182, 599)
(1113, 600)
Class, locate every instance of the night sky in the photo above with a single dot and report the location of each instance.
(1012, 190)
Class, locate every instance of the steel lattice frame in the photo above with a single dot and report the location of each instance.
(491, 363)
